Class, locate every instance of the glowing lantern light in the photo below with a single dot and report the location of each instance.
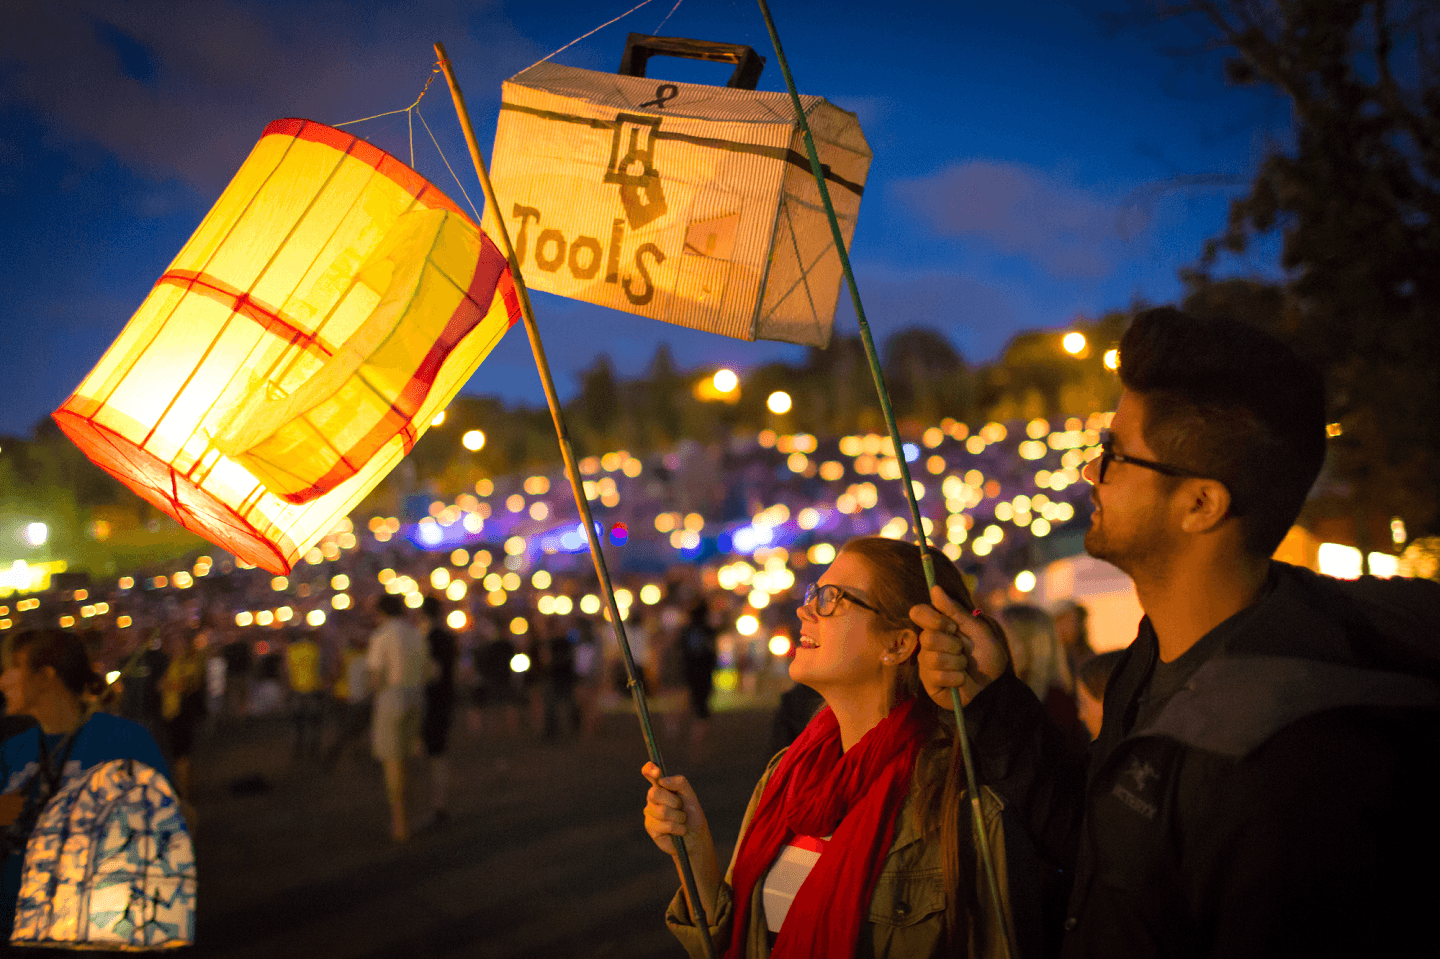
(330, 304)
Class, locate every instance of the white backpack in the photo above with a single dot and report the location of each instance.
(109, 866)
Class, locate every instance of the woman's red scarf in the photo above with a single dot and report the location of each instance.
(817, 790)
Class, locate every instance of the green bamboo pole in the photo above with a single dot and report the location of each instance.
(577, 486)
(982, 838)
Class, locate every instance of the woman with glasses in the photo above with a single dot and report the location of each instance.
(857, 840)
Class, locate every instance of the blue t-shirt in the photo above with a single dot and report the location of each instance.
(102, 738)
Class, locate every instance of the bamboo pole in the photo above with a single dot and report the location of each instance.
(981, 836)
(577, 486)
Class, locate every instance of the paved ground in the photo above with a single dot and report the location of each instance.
(544, 854)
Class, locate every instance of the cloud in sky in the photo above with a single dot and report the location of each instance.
(1020, 210)
(182, 90)
(978, 316)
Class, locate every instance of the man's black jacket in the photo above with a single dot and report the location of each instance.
(1284, 802)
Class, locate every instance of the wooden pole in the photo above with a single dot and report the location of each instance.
(572, 471)
(982, 838)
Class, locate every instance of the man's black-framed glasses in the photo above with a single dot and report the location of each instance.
(826, 599)
(1108, 456)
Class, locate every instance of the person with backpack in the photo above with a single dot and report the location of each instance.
(47, 676)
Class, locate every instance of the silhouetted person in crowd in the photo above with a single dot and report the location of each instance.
(304, 671)
(438, 715)
(797, 707)
(140, 678)
(396, 658)
(562, 711)
(1090, 686)
(1072, 632)
(1042, 665)
(183, 706)
(699, 656)
(500, 689)
(352, 698)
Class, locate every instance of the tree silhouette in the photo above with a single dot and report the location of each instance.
(1357, 201)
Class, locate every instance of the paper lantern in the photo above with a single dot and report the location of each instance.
(109, 866)
(327, 307)
(682, 202)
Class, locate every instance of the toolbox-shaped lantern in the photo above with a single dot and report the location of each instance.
(327, 307)
(682, 202)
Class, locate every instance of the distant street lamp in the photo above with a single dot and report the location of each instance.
(722, 387)
(725, 381)
(1074, 343)
(779, 402)
(438, 419)
(473, 440)
(1112, 359)
(35, 534)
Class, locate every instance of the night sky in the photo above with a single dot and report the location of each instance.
(1032, 163)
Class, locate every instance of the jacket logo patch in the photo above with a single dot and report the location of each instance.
(1140, 773)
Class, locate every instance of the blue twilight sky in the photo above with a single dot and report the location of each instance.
(1033, 161)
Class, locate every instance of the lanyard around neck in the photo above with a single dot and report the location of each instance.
(50, 775)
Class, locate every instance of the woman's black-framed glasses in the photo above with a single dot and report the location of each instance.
(1108, 456)
(826, 599)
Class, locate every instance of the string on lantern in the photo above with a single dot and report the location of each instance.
(410, 125)
(463, 191)
(413, 110)
(596, 30)
(668, 16)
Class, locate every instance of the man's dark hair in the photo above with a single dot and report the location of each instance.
(62, 652)
(391, 605)
(1229, 401)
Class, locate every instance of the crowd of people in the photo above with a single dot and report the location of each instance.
(1245, 779)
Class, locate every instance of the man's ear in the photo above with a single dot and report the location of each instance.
(1206, 503)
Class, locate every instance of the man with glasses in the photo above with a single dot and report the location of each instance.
(1263, 781)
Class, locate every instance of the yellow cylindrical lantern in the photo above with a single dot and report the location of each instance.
(328, 306)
